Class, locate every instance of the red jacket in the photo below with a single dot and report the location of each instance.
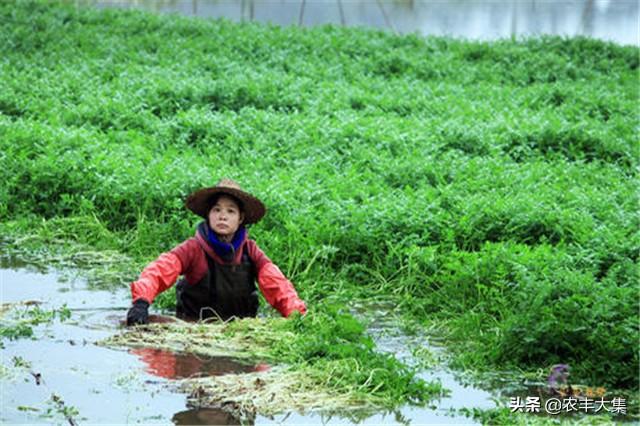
(189, 259)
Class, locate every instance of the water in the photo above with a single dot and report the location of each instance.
(461, 394)
(613, 20)
(95, 384)
(106, 385)
(134, 384)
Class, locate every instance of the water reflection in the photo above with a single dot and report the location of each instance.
(485, 20)
(207, 416)
(171, 365)
(63, 356)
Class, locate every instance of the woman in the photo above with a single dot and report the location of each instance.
(220, 264)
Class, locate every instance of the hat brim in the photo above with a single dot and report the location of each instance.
(199, 202)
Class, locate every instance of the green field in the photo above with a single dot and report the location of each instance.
(488, 189)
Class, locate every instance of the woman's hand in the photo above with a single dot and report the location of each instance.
(138, 313)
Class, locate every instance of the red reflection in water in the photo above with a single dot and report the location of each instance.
(171, 365)
(208, 416)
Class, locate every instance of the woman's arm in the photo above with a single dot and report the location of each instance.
(275, 287)
(156, 277)
(163, 272)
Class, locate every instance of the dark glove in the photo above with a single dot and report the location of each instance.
(138, 313)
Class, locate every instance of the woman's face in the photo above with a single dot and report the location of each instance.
(225, 217)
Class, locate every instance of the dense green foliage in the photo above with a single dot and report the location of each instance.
(492, 186)
(335, 345)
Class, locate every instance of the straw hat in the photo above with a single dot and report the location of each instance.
(199, 201)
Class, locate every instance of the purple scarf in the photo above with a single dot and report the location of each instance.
(225, 250)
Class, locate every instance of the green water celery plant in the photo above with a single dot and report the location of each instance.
(491, 187)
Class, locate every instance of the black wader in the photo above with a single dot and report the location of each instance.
(225, 291)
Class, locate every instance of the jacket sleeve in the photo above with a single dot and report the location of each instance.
(156, 277)
(275, 287)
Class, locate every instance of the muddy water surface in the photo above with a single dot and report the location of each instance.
(63, 376)
(96, 384)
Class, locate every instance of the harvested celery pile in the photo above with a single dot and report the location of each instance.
(323, 360)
